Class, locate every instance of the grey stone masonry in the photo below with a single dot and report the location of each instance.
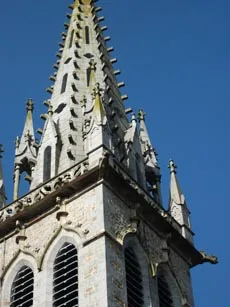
(100, 211)
(84, 65)
(96, 188)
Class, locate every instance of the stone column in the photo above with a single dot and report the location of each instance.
(16, 180)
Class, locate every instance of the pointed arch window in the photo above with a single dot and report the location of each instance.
(134, 281)
(47, 163)
(87, 40)
(164, 293)
(22, 288)
(64, 83)
(71, 39)
(65, 278)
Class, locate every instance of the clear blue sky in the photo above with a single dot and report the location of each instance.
(175, 60)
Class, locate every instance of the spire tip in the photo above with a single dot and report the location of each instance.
(30, 105)
(172, 166)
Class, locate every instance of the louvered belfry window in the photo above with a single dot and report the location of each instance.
(165, 296)
(22, 288)
(65, 282)
(134, 280)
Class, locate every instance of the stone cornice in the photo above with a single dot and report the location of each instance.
(78, 178)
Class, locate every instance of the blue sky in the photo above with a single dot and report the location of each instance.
(175, 60)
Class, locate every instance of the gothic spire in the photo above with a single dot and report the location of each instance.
(88, 109)
(177, 204)
(152, 168)
(88, 113)
(24, 145)
(2, 187)
(25, 152)
(176, 196)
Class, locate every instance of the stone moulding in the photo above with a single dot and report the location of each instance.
(79, 177)
(29, 204)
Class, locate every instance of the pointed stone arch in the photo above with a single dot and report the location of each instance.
(168, 276)
(60, 237)
(22, 289)
(19, 254)
(65, 276)
(132, 243)
(20, 260)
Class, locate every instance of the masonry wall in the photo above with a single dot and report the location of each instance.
(153, 248)
(77, 221)
(100, 224)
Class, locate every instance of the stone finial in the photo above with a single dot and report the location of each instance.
(30, 105)
(172, 166)
(152, 169)
(177, 204)
(141, 115)
(176, 195)
(28, 137)
(26, 152)
(134, 118)
(145, 139)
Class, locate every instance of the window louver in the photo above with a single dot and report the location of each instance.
(65, 284)
(133, 279)
(165, 297)
(23, 288)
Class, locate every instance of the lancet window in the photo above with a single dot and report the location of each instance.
(164, 293)
(134, 280)
(65, 278)
(22, 288)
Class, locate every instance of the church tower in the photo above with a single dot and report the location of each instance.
(92, 230)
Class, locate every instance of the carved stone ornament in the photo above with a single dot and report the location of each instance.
(42, 191)
(20, 228)
(61, 206)
(212, 259)
(130, 228)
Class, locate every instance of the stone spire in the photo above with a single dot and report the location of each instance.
(26, 152)
(152, 169)
(177, 204)
(2, 187)
(88, 109)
